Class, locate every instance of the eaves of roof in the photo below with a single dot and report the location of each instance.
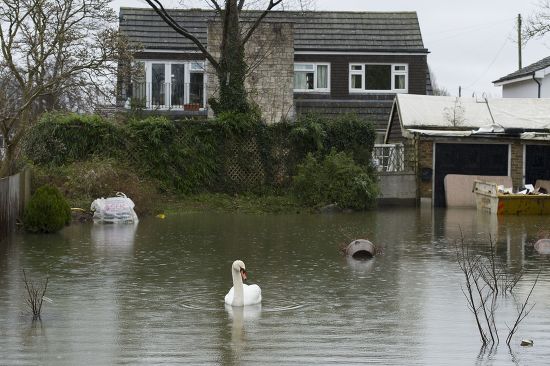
(525, 71)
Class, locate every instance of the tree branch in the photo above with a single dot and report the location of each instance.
(159, 9)
(272, 4)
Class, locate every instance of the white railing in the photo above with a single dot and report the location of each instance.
(389, 157)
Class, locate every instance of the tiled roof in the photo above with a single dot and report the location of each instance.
(313, 31)
(525, 71)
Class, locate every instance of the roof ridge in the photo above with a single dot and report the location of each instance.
(282, 11)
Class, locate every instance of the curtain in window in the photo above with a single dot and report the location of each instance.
(300, 80)
(322, 76)
(399, 82)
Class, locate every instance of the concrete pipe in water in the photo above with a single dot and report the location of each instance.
(361, 249)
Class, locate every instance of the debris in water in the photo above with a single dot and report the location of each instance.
(527, 342)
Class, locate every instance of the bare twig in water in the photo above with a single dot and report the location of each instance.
(35, 295)
(523, 311)
(467, 262)
(487, 277)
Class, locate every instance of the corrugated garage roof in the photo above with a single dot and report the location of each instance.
(438, 112)
(313, 31)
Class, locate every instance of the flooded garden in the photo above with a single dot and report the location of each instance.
(153, 293)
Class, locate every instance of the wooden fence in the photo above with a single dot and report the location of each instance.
(14, 195)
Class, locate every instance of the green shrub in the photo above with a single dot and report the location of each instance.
(233, 123)
(47, 211)
(63, 138)
(336, 178)
(347, 132)
(192, 156)
(183, 155)
(352, 134)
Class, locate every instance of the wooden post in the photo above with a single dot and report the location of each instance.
(519, 41)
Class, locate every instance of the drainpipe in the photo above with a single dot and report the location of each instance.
(538, 82)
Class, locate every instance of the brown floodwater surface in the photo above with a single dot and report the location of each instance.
(154, 293)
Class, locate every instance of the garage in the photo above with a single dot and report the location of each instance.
(468, 159)
(537, 163)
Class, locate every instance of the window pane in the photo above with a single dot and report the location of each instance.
(400, 68)
(178, 84)
(322, 76)
(138, 83)
(198, 66)
(303, 80)
(299, 80)
(196, 88)
(356, 82)
(378, 77)
(357, 67)
(399, 82)
(303, 67)
(157, 81)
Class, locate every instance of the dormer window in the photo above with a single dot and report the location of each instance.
(311, 77)
(378, 78)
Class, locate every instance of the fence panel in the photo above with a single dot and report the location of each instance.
(4, 204)
(389, 157)
(14, 194)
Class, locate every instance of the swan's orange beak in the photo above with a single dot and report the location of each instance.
(243, 274)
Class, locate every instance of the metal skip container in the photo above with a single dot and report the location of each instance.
(490, 199)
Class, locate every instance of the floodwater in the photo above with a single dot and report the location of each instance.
(153, 293)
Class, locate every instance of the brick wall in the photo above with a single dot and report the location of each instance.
(425, 160)
(270, 57)
(517, 164)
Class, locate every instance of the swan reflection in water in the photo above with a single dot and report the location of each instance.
(242, 317)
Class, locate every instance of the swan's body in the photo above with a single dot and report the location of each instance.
(241, 294)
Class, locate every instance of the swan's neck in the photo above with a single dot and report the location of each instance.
(238, 293)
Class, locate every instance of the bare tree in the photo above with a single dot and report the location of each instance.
(52, 53)
(538, 24)
(230, 66)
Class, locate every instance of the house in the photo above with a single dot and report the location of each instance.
(532, 81)
(468, 136)
(323, 62)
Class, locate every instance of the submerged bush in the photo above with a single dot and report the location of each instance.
(336, 178)
(47, 211)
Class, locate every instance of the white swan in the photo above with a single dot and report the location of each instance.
(241, 294)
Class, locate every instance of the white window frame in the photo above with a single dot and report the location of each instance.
(394, 73)
(192, 66)
(315, 88)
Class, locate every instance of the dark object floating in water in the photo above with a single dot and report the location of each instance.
(526, 343)
(360, 249)
(543, 246)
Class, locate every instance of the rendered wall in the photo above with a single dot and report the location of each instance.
(397, 188)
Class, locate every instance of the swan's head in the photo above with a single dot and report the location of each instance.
(238, 266)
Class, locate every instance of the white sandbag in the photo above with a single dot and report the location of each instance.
(119, 209)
